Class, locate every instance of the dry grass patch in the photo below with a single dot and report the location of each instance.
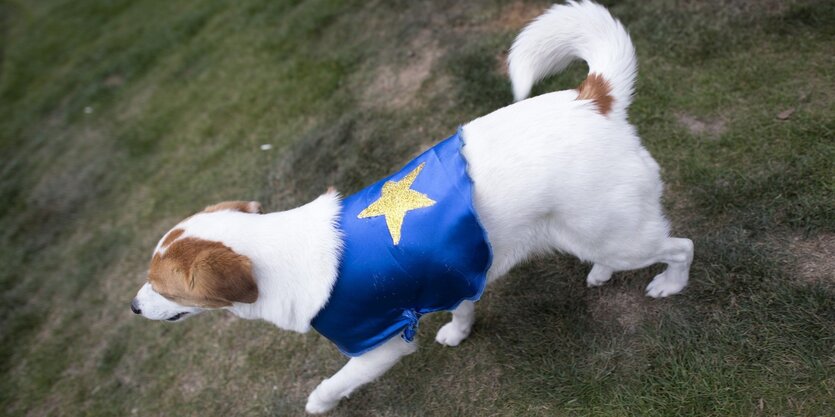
(628, 309)
(137, 103)
(815, 258)
(396, 85)
(515, 15)
(709, 128)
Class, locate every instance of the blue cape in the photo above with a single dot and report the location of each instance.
(412, 245)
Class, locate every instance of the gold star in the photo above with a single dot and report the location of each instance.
(396, 200)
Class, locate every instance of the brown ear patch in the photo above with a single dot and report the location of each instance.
(172, 236)
(242, 206)
(203, 273)
(596, 89)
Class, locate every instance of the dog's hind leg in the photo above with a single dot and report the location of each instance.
(458, 329)
(677, 253)
(356, 373)
(598, 275)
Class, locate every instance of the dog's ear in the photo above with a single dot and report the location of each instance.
(243, 206)
(222, 277)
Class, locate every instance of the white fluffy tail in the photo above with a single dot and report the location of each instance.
(582, 30)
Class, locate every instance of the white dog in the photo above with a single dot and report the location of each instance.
(563, 171)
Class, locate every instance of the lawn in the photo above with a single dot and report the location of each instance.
(119, 118)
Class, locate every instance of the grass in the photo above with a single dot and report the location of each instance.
(119, 118)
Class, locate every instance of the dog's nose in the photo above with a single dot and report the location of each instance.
(135, 307)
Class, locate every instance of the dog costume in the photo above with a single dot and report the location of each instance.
(412, 244)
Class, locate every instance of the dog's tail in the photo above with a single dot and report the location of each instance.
(582, 30)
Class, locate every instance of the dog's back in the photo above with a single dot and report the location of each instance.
(565, 170)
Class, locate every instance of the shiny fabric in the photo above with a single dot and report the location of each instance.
(441, 259)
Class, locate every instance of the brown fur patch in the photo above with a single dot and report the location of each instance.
(202, 273)
(172, 236)
(596, 89)
(242, 206)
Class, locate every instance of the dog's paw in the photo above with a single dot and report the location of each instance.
(319, 401)
(451, 335)
(592, 281)
(662, 286)
(598, 275)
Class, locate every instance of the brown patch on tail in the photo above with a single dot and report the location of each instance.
(597, 89)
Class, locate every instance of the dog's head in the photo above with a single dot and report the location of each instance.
(190, 274)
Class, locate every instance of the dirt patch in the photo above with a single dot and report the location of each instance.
(191, 382)
(701, 127)
(517, 14)
(501, 63)
(114, 80)
(397, 85)
(815, 258)
(627, 309)
(137, 103)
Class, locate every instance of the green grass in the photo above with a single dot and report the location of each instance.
(180, 95)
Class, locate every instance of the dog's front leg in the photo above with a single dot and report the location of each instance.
(356, 373)
(459, 328)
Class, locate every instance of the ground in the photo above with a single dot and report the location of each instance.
(119, 118)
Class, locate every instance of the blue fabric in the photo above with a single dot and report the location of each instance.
(442, 258)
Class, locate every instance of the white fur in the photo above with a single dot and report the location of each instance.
(357, 372)
(582, 30)
(550, 174)
(294, 255)
(157, 307)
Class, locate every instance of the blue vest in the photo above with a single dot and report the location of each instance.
(412, 245)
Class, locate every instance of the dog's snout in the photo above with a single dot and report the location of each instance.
(134, 306)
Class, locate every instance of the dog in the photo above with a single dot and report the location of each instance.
(563, 171)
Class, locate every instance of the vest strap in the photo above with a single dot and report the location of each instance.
(411, 330)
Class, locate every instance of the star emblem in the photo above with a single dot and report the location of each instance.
(396, 200)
